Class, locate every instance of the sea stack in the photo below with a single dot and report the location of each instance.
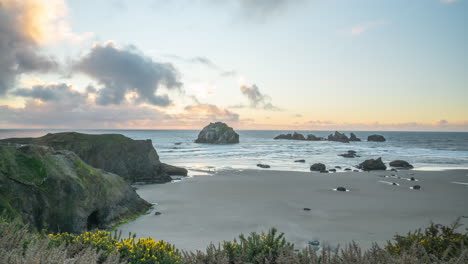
(376, 138)
(218, 133)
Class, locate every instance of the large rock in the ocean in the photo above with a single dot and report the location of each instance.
(318, 167)
(295, 136)
(314, 138)
(376, 138)
(55, 190)
(353, 137)
(338, 137)
(401, 164)
(217, 133)
(134, 160)
(372, 164)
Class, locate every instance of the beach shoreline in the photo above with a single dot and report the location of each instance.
(202, 209)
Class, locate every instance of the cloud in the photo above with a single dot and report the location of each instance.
(261, 10)
(207, 113)
(362, 28)
(23, 27)
(441, 122)
(50, 92)
(123, 70)
(256, 98)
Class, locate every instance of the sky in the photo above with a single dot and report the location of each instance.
(254, 64)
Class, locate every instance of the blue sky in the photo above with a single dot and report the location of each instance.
(304, 64)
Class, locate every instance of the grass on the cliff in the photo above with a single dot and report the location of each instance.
(436, 244)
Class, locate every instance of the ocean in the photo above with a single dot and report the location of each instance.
(424, 150)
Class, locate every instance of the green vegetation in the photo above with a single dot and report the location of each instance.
(443, 242)
(21, 167)
(19, 245)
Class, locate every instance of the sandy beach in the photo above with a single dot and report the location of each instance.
(204, 209)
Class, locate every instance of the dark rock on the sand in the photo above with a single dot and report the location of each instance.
(318, 167)
(353, 137)
(338, 137)
(134, 160)
(324, 171)
(332, 170)
(56, 191)
(177, 143)
(355, 170)
(157, 213)
(372, 164)
(337, 167)
(341, 189)
(401, 164)
(263, 166)
(416, 187)
(394, 183)
(412, 179)
(314, 243)
(294, 136)
(347, 169)
(376, 138)
(301, 161)
(306, 209)
(218, 133)
(352, 151)
(314, 138)
(393, 169)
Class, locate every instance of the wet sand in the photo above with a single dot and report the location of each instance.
(204, 209)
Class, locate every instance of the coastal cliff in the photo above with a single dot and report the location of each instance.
(134, 160)
(56, 191)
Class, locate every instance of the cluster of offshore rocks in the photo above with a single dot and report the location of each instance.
(337, 136)
(73, 182)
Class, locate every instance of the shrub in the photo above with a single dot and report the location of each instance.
(440, 241)
(135, 251)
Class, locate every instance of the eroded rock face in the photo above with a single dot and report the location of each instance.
(372, 164)
(218, 133)
(376, 138)
(134, 160)
(401, 164)
(57, 191)
(338, 137)
(314, 138)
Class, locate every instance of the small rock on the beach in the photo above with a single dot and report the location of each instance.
(332, 170)
(394, 183)
(301, 160)
(372, 164)
(412, 179)
(395, 170)
(337, 167)
(341, 189)
(347, 169)
(306, 209)
(355, 170)
(314, 243)
(157, 213)
(402, 164)
(318, 167)
(263, 166)
(324, 171)
(416, 187)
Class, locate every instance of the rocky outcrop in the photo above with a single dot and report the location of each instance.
(401, 164)
(134, 160)
(314, 138)
(318, 167)
(55, 190)
(376, 138)
(294, 136)
(372, 164)
(217, 133)
(353, 137)
(338, 137)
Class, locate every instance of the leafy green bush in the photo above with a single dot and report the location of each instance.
(135, 251)
(437, 240)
